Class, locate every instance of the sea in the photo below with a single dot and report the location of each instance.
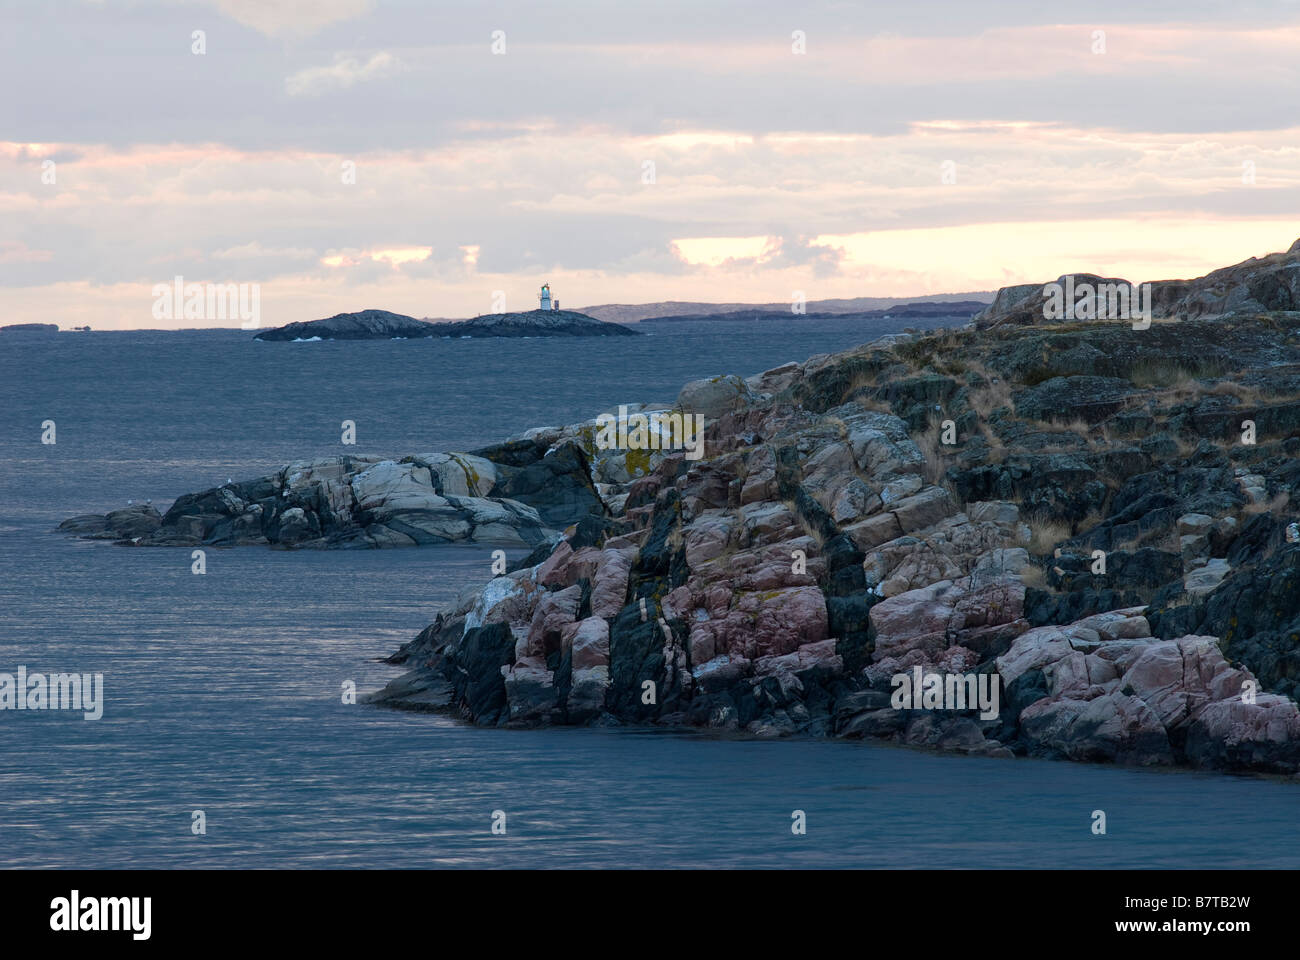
(226, 740)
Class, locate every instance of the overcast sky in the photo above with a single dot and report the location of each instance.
(630, 152)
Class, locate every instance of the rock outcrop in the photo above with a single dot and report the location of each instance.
(365, 501)
(1073, 519)
(1257, 285)
(363, 325)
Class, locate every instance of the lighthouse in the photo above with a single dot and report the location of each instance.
(545, 301)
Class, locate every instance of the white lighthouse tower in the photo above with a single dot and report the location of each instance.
(545, 297)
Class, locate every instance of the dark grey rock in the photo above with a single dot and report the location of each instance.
(533, 323)
(362, 325)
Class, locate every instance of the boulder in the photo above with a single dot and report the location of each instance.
(137, 520)
(714, 397)
(923, 510)
(1206, 578)
(530, 692)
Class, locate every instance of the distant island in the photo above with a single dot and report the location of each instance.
(533, 323)
(363, 325)
(636, 312)
(383, 325)
(546, 321)
(554, 322)
(610, 320)
(32, 327)
(905, 311)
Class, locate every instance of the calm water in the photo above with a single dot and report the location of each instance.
(223, 691)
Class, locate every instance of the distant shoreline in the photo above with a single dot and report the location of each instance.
(911, 311)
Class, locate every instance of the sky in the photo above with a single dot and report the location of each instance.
(444, 159)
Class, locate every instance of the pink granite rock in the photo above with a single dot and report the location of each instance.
(553, 613)
(707, 538)
(565, 566)
(609, 583)
(1114, 728)
(933, 618)
(764, 624)
(590, 643)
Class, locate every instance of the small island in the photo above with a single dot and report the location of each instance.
(546, 321)
(31, 328)
(363, 325)
(533, 323)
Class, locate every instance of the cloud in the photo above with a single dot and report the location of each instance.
(20, 253)
(402, 255)
(255, 251)
(773, 171)
(555, 202)
(396, 257)
(716, 251)
(345, 72)
(276, 18)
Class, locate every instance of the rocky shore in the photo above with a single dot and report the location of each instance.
(1098, 518)
(523, 491)
(350, 502)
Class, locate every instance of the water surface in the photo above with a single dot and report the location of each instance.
(224, 691)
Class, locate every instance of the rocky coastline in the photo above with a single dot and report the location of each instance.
(367, 502)
(524, 491)
(1074, 511)
(1095, 521)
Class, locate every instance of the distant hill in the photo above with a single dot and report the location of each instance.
(908, 311)
(631, 313)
